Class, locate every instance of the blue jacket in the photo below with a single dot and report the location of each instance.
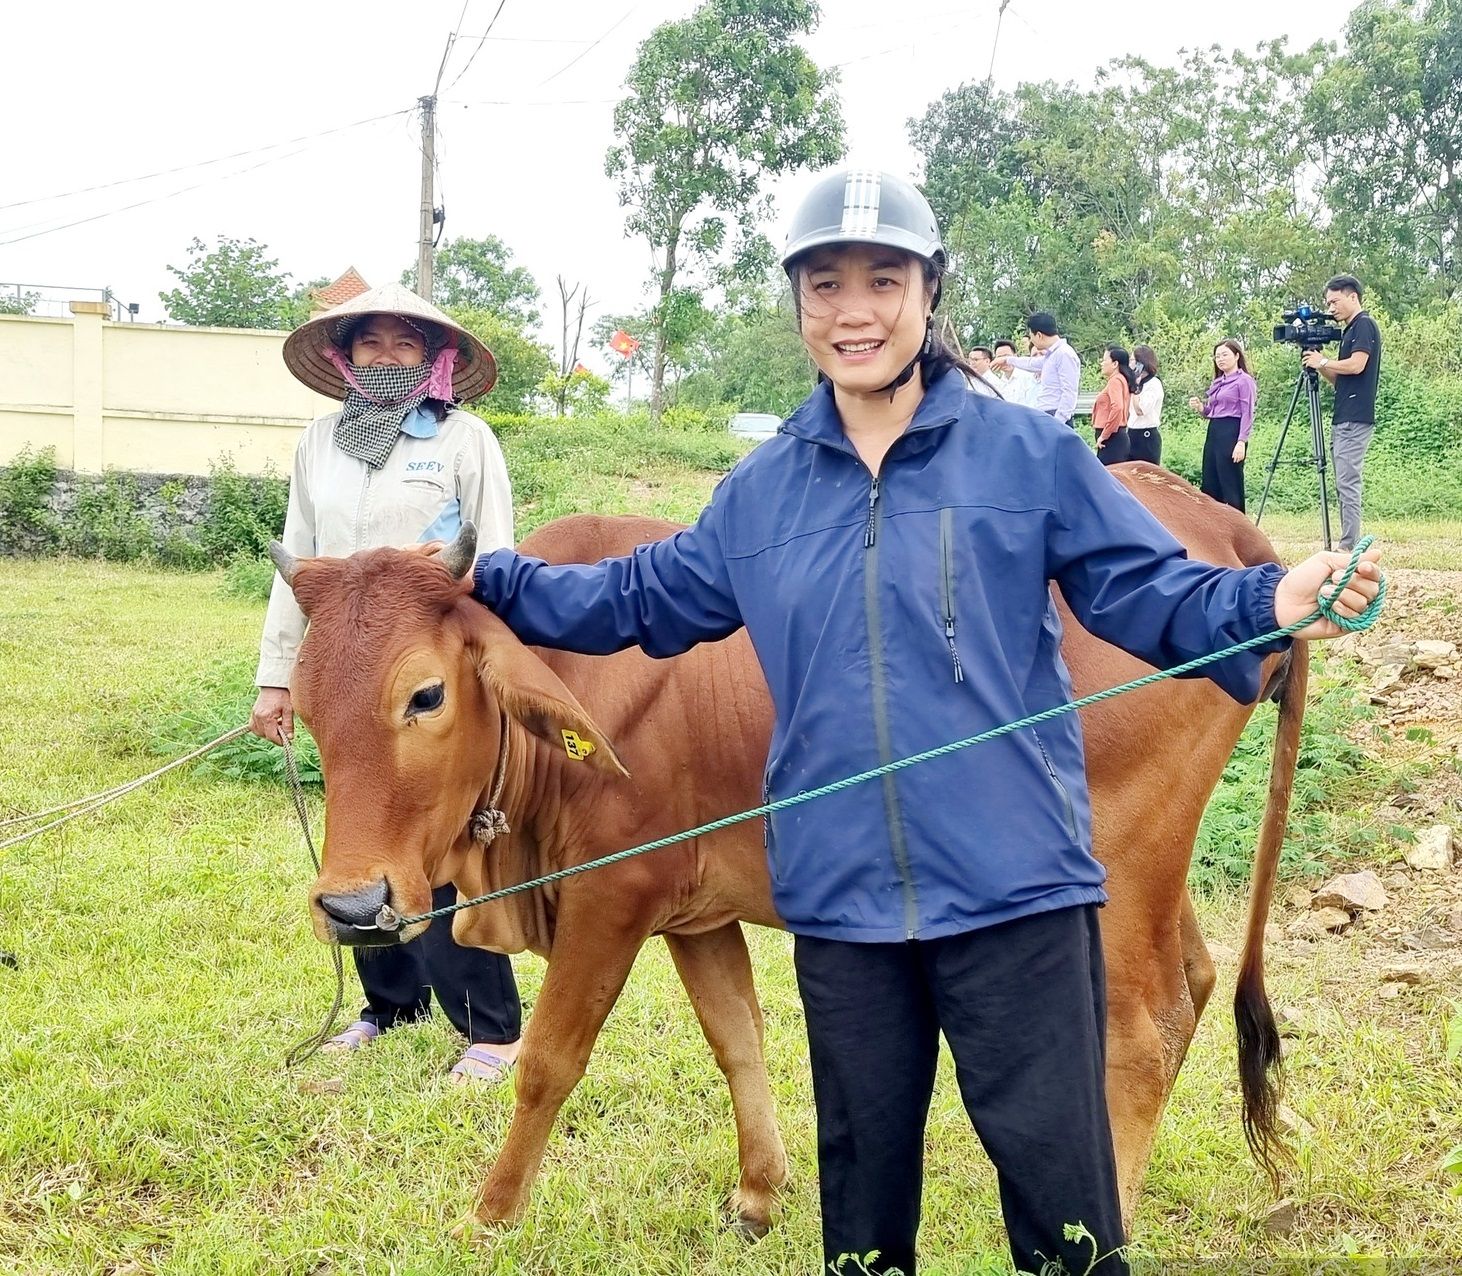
(895, 614)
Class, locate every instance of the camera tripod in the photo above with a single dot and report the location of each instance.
(1308, 384)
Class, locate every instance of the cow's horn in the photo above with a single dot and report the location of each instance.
(286, 562)
(459, 556)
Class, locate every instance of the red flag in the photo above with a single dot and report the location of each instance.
(622, 343)
(579, 367)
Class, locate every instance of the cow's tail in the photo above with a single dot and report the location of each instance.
(1259, 1061)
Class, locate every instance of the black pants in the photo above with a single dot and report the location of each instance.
(1023, 1007)
(1223, 477)
(1118, 447)
(474, 988)
(1145, 444)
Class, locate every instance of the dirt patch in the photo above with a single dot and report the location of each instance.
(1409, 950)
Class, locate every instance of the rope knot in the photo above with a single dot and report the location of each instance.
(487, 824)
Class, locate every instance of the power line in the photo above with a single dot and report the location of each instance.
(156, 199)
(447, 50)
(473, 57)
(580, 57)
(220, 159)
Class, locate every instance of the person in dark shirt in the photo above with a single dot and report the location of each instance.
(1354, 375)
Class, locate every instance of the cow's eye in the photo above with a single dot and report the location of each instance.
(427, 699)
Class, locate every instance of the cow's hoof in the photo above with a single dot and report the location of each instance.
(743, 1222)
(473, 1232)
(748, 1229)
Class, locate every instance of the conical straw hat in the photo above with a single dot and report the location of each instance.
(304, 349)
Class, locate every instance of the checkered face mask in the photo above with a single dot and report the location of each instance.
(378, 400)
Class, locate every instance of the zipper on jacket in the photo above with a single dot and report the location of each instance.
(766, 826)
(1056, 780)
(946, 584)
(893, 816)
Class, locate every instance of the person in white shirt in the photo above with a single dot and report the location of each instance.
(398, 464)
(1015, 384)
(984, 381)
(1144, 425)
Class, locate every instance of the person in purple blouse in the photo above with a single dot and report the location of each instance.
(1229, 407)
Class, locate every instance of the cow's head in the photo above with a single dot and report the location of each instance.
(404, 680)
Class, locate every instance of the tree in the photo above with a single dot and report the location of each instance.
(716, 102)
(19, 303)
(478, 274)
(569, 383)
(234, 285)
(522, 363)
(301, 302)
(755, 361)
(1388, 117)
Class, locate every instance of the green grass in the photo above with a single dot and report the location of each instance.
(165, 966)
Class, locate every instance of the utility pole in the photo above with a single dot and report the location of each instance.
(428, 198)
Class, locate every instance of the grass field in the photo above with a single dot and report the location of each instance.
(165, 965)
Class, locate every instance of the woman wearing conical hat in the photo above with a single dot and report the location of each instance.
(399, 463)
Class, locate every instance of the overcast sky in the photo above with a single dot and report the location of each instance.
(98, 93)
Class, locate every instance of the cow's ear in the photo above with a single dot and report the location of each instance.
(534, 695)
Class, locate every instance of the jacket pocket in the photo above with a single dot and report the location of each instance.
(1060, 786)
(947, 586)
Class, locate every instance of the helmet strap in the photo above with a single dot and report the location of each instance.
(904, 377)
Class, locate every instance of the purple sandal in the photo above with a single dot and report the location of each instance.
(480, 1065)
(359, 1033)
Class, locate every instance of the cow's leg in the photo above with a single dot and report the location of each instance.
(1150, 1021)
(716, 971)
(587, 968)
(1197, 964)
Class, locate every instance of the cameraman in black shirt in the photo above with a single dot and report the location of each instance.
(1354, 376)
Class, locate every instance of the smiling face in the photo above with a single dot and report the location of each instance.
(864, 311)
(385, 340)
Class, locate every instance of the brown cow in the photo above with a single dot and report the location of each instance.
(424, 704)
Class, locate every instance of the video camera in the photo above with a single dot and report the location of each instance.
(1307, 327)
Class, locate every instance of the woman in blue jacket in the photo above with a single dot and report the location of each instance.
(889, 552)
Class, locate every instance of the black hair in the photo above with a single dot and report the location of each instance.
(984, 350)
(1043, 322)
(1346, 283)
(1006, 341)
(1123, 360)
(1145, 360)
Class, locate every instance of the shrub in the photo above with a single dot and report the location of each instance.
(216, 703)
(249, 578)
(106, 521)
(713, 418)
(245, 512)
(26, 522)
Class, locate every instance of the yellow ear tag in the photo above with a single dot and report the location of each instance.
(576, 746)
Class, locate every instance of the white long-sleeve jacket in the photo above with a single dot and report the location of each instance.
(437, 474)
(1146, 413)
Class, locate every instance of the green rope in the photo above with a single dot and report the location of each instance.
(1323, 611)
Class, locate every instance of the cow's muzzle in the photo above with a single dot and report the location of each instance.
(353, 916)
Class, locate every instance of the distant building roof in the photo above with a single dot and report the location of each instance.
(349, 285)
